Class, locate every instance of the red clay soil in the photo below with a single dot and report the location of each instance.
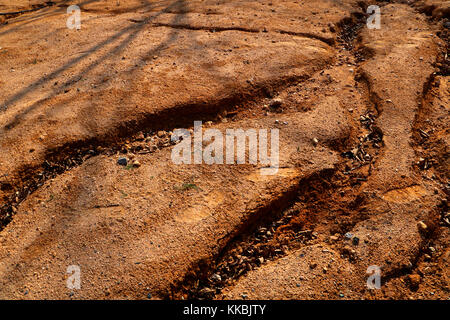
(363, 177)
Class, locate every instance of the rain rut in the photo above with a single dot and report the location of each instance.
(321, 208)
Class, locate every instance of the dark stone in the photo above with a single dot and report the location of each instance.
(122, 161)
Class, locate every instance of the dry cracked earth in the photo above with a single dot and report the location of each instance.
(364, 141)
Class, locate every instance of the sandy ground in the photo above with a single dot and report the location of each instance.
(363, 170)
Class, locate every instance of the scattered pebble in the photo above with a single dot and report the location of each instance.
(161, 134)
(315, 141)
(276, 103)
(216, 277)
(136, 164)
(140, 136)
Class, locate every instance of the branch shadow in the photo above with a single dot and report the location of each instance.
(132, 31)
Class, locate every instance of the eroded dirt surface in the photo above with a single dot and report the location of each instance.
(363, 123)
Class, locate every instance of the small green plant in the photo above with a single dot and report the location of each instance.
(188, 186)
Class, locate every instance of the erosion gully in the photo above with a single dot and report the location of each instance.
(289, 223)
(284, 224)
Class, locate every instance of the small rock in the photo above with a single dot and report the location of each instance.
(348, 235)
(216, 277)
(161, 134)
(414, 279)
(276, 103)
(140, 136)
(447, 24)
(122, 161)
(315, 141)
(422, 226)
(355, 241)
(334, 238)
(348, 250)
(136, 164)
(149, 296)
(313, 265)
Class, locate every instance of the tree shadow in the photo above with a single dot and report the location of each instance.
(132, 31)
